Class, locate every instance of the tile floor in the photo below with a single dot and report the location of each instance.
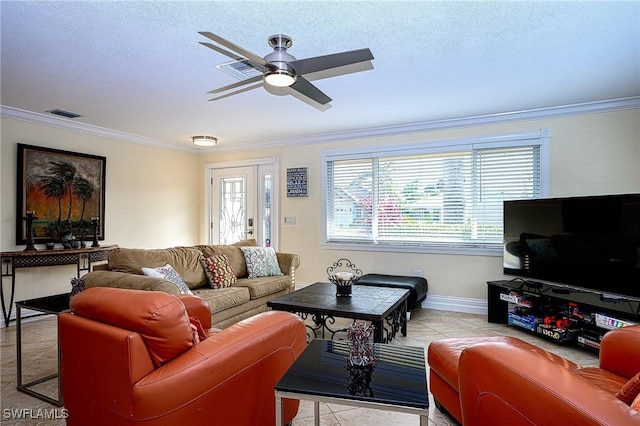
(40, 356)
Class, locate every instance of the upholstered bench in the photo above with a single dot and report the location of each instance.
(443, 356)
(417, 286)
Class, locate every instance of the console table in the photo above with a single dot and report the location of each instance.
(12, 260)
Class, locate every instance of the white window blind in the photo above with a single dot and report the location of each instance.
(451, 196)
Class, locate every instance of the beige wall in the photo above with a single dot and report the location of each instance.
(155, 196)
(590, 154)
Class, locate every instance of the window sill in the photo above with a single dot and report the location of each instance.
(451, 248)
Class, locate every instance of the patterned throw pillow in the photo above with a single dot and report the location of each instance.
(218, 271)
(261, 261)
(168, 273)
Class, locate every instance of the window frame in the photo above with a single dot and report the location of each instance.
(541, 138)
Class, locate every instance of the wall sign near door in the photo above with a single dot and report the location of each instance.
(297, 182)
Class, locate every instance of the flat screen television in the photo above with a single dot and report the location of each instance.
(579, 242)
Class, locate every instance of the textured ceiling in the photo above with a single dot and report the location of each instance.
(137, 67)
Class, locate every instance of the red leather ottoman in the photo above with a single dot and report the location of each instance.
(443, 356)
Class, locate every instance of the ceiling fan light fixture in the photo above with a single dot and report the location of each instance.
(280, 78)
(204, 140)
(281, 69)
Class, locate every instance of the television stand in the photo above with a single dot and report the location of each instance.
(567, 315)
(532, 284)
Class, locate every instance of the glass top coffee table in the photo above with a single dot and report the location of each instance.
(397, 381)
(385, 308)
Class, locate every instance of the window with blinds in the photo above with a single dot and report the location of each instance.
(448, 195)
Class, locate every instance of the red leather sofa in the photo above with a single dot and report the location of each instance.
(506, 381)
(129, 357)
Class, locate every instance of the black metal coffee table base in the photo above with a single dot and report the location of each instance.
(384, 331)
(385, 308)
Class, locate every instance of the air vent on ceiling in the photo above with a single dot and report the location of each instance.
(240, 69)
(63, 113)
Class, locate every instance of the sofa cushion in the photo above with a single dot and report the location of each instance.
(160, 318)
(185, 260)
(251, 242)
(223, 298)
(264, 286)
(131, 281)
(233, 252)
(261, 262)
(218, 270)
(168, 273)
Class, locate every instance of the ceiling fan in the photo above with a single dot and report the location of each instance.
(280, 69)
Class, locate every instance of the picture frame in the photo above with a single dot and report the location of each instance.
(63, 190)
(297, 182)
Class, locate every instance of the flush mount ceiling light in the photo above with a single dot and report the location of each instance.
(204, 140)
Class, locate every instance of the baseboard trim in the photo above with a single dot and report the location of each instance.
(456, 304)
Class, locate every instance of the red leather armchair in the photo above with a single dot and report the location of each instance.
(128, 357)
(518, 384)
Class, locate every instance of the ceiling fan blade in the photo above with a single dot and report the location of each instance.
(224, 52)
(244, 89)
(336, 72)
(303, 86)
(237, 84)
(320, 63)
(299, 96)
(226, 43)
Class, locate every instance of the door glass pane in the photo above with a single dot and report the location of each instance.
(266, 213)
(233, 210)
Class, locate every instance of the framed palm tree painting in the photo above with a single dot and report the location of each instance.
(65, 191)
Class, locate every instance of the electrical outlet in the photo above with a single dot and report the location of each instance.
(417, 273)
(289, 220)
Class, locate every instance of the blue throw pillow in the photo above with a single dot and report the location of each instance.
(261, 261)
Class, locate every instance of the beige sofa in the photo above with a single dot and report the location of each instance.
(246, 298)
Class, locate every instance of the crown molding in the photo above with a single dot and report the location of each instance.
(89, 129)
(533, 114)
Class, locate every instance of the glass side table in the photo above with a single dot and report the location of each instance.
(49, 305)
(397, 381)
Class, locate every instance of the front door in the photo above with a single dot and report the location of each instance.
(233, 204)
(242, 203)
